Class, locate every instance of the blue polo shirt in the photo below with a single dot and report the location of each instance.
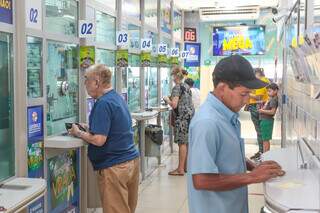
(110, 117)
(215, 146)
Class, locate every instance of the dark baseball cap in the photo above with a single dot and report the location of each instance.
(237, 69)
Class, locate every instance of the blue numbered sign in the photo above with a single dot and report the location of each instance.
(146, 44)
(122, 38)
(162, 49)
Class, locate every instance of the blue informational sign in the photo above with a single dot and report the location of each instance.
(35, 123)
(37, 206)
(6, 11)
(193, 59)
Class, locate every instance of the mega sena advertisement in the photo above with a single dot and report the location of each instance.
(243, 40)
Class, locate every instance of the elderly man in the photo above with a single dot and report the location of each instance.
(217, 167)
(111, 148)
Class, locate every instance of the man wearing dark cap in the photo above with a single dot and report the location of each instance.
(217, 167)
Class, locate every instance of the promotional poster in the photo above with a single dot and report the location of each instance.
(63, 182)
(193, 59)
(6, 11)
(35, 123)
(122, 58)
(243, 40)
(87, 56)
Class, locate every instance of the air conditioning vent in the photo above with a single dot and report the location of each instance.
(229, 14)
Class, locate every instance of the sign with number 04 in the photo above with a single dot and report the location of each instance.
(146, 44)
(87, 29)
(34, 14)
(122, 38)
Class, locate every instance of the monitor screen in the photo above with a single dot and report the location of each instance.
(243, 40)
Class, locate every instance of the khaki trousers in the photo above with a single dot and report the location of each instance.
(118, 186)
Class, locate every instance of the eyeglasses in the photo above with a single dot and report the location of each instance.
(86, 79)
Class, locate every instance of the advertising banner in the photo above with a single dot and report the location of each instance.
(6, 11)
(122, 58)
(145, 59)
(35, 123)
(193, 59)
(87, 56)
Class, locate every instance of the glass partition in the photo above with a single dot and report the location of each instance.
(109, 3)
(62, 86)
(150, 13)
(133, 84)
(131, 8)
(34, 67)
(151, 88)
(107, 57)
(177, 23)
(165, 16)
(7, 156)
(62, 16)
(134, 35)
(106, 28)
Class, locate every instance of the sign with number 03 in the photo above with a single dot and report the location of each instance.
(87, 29)
(162, 49)
(174, 52)
(184, 54)
(146, 44)
(122, 38)
(34, 14)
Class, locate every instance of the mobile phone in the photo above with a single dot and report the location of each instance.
(69, 126)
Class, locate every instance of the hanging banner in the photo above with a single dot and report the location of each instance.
(6, 11)
(35, 123)
(193, 59)
(63, 183)
(122, 58)
(34, 14)
(87, 56)
(145, 59)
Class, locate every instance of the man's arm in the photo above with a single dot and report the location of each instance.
(268, 112)
(225, 182)
(97, 140)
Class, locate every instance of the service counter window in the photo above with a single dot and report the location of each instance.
(106, 28)
(133, 78)
(131, 8)
(150, 13)
(34, 67)
(151, 88)
(153, 36)
(7, 155)
(107, 57)
(165, 81)
(134, 35)
(62, 16)
(62, 86)
(109, 3)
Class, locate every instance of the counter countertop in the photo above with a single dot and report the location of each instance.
(145, 115)
(63, 142)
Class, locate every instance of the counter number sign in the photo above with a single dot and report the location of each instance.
(184, 54)
(34, 14)
(190, 34)
(87, 29)
(174, 52)
(162, 49)
(122, 38)
(146, 44)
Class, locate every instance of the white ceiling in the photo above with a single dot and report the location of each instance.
(195, 4)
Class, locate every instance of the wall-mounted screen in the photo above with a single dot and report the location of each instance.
(244, 40)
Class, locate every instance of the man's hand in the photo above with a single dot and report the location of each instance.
(265, 171)
(84, 125)
(74, 130)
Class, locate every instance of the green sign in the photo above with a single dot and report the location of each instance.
(145, 59)
(162, 60)
(87, 56)
(174, 60)
(122, 58)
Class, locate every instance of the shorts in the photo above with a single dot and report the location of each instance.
(266, 128)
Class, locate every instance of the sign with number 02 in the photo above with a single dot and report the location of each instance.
(86, 29)
(162, 49)
(34, 14)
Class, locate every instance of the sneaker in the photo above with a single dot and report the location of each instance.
(257, 155)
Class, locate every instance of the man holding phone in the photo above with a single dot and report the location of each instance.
(111, 148)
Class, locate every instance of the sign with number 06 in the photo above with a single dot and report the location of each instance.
(122, 38)
(146, 44)
(34, 14)
(174, 52)
(184, 54)
(87, 29)
(162, 49)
